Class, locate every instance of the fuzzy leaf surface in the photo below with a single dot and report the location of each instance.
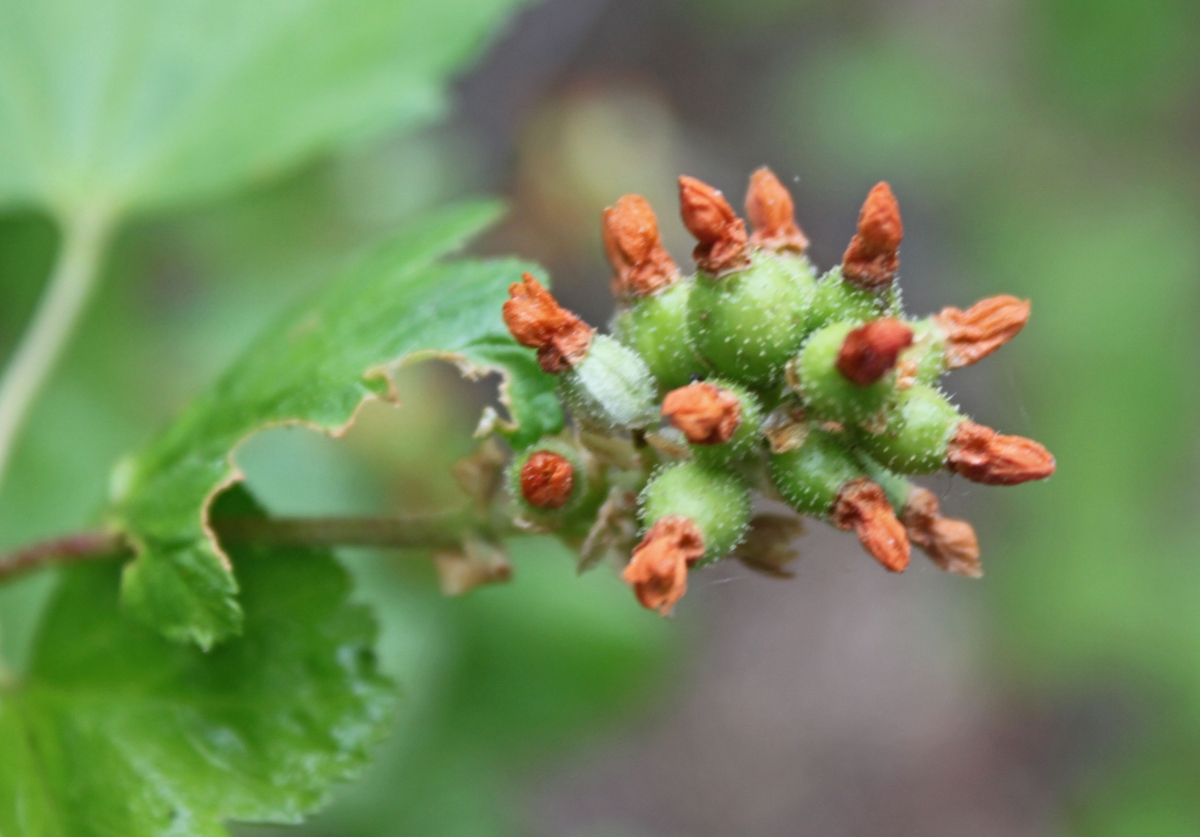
(118, 732)
(147, 103)
(315, 367)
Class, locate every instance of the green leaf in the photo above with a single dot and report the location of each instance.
(495, 684)
(117, 732)
(315, 367)
(145, 103)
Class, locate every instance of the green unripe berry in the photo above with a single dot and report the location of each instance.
(656, 327)
(548, 480)
(919, 428)
(928, 351)
(715, 500)
(610, 389)
(827, 392)
(811, 476)
(748, 324)
(721, 421)
(835, 299)
(747, 436)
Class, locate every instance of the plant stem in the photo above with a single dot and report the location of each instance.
(84, 236)
(82, 546)
(426, 531)
(434, 531)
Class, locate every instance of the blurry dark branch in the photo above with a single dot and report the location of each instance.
(433, 531)
(82, 546)
(443, 530)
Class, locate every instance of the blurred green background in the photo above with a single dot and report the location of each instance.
(1046, 148)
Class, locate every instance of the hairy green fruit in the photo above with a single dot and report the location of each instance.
(835, 299)
(811, 476)
(549, 480)
(827, 392)
(715, 500)
(927, 357)
(747, 324)
(745, 438)
(919, 428)
(610, 389)
(656, 327)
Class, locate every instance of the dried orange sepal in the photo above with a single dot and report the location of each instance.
(722, 238)
(772, 213)
(658, 571)
(535, 319)
(982, 455)
(635, 249)
(705, 413)
(870, 352)
(949, 543)
(862, 506)
(873, 257)
(983, 328)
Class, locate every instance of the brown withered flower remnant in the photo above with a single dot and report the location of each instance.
(982, 455)
(721, 234)
(705, 413)
(873, 257)
(547, 479)
(773, 214)
(862, 506)
(658, 570)
(769, 544)
(536, 320)
(870, 352)
(635, 249)
(949, 543)
(983, 328)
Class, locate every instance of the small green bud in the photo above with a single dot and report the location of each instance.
(919, 428)
(548, 480)
(721, 421)
(716, 501)
(611, 388)
(835, 299)
(845, 372)
(656, 327)
(811, 476)
(747, 324)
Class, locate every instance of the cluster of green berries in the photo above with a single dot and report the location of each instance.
(757, 375)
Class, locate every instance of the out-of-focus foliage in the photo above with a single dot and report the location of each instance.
(141, 103)
(315, 366)
(116, 730)
(1064, 189)
(492, 682)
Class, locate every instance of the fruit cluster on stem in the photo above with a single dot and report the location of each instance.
(757, 375)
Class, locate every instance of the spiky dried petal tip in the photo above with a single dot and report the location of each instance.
(772, 213)
(547, 480)
(862, 506)
(721, 234)
(705, 413)
(870, 352)
(982, 455)
(635, 249)
(873, 257)
(658, 570)
(949, 543)
(535, 319)
(983, 328)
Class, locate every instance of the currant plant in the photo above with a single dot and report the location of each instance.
(819, 391)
